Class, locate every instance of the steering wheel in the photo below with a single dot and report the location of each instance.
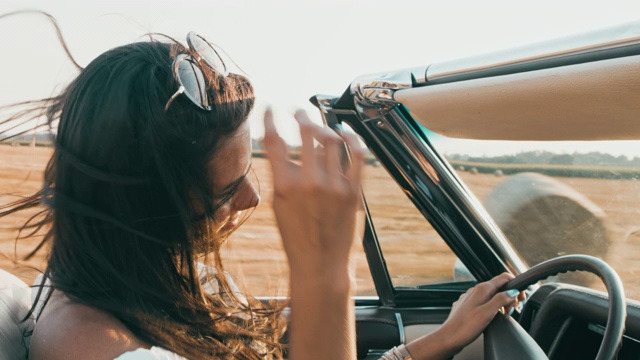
(504, 338)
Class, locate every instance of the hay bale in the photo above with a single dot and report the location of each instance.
(498, 173)
(544, 218)
(473, 170)
(460, 168)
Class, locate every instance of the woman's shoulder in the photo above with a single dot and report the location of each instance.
(155, 353)
(67, 330)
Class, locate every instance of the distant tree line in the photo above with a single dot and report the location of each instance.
(550, 158)
(38, 139)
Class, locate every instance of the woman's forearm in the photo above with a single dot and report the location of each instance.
(315, 204)
(322, 317)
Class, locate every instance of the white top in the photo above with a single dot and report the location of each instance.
(14, 306)
(206, 273)
(155, 353)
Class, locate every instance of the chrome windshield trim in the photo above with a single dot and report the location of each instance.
(419, 150)
(439, 172)
(377, 89)
(603, 39)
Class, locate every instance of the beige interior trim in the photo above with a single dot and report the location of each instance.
(474, 351)
(592, 101)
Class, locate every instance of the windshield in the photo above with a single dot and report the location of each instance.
(558, 198)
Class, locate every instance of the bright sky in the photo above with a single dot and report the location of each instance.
(291, 50)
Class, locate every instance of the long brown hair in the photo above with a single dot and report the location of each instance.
(118, 204)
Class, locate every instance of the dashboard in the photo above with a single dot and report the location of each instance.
(568, 322)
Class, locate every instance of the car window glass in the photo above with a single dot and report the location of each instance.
(558, 198)
(414, 252)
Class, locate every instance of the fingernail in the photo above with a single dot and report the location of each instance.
(269, 108)
(339, 127)
(513, 293)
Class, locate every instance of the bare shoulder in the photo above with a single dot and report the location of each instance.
(68, 330)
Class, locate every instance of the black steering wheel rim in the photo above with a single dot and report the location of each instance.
(617, 313)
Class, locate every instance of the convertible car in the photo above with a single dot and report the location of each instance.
(525, 161)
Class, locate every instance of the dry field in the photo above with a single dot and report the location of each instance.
(413, 251)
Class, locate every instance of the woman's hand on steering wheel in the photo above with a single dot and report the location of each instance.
(469, 316)
(475, 309)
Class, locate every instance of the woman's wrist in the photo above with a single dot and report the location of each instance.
(439, 344)
(328, 281)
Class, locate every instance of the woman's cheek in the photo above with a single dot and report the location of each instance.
(222, 215)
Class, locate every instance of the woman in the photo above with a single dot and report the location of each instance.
(148, 178)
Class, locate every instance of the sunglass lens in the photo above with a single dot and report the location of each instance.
(207, 53)
(190, 76)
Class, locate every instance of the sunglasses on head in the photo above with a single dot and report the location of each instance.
(188, 73)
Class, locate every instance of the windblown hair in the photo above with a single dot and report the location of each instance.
(118, 204)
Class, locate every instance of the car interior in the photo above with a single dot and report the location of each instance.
(577, 89)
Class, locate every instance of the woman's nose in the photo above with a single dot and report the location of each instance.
(246, 197)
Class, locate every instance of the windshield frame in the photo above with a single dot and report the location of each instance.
(399, 143)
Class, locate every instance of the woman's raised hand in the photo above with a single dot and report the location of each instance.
(315, 204)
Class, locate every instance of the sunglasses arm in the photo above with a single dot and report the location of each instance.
(177, 93)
